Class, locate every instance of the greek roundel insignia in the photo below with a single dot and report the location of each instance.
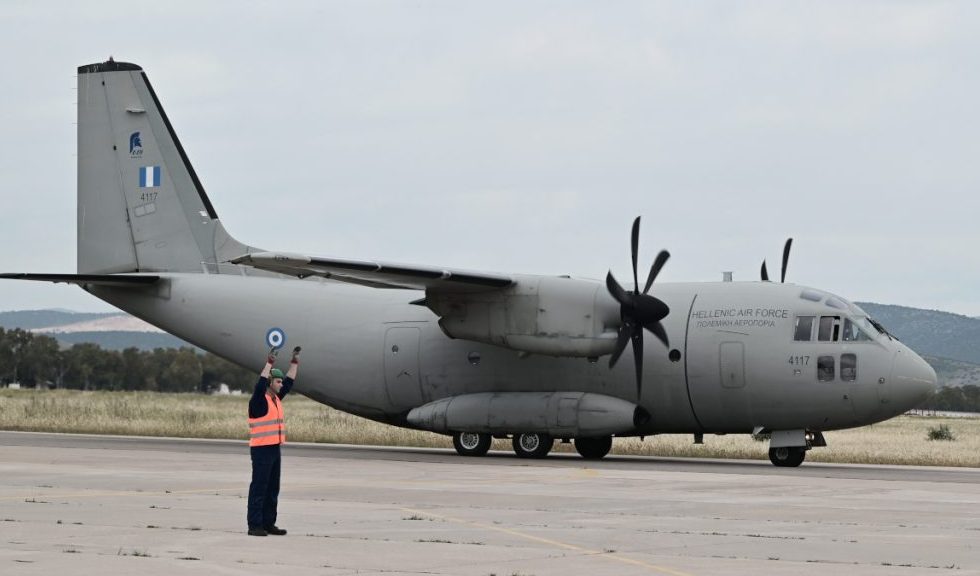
(275, 338)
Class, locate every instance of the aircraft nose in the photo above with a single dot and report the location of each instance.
(913, 379)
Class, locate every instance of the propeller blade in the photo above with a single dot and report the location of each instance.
(635, 245)
(655, 269)
(639, 310)
(765, 273)
(621, 339)
(637, 340)
(617, 291)
(659, 332)
(789, 243)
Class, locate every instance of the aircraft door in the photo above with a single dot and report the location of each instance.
(402, 379)
(731, 360)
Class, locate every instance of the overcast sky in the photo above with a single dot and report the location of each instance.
(526, 136)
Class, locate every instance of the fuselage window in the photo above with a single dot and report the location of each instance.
(853, 333)
(829, 329)
(825, 368)
(804, 329)
(848, 367)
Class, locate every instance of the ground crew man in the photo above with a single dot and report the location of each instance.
(267, 432)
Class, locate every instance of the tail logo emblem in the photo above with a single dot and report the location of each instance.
(135, 145)
(150, 176)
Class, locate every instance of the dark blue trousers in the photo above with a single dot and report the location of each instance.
(263, 493)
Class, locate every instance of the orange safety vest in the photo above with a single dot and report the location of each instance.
(270, 429)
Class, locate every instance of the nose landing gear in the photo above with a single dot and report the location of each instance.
(787, 456)
(787, 448)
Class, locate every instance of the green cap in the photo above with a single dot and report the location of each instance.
(275, 373)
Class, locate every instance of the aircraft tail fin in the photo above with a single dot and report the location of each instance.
(141, 206)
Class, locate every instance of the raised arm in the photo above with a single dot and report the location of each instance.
(287, 383)
(269, 363)
(294, 364)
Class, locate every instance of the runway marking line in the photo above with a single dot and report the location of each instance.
(39, 493)
(97, 494)
(556, 543)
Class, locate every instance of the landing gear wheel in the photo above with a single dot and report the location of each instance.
(787, 456)
(593, 448)
(471, 443)
(532, 445)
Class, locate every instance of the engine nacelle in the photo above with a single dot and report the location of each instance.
(560, 414)
(555, 316)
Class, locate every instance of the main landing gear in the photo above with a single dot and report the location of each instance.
(472, 443)
(593, 448)
(529, 444)
(532, 445)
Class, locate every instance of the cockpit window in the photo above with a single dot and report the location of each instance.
(835, 302)
(829, 329)
(854, 333)
(811, 295)
(804, 329)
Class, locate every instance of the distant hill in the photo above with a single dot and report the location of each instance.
(29, 319)
(954, 372)
(121, 340)
(930, 332)
(109, 330)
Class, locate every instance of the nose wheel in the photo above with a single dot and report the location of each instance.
(787, 456)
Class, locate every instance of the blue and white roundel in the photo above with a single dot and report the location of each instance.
(275, 338)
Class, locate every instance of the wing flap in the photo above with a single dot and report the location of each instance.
(374, 274)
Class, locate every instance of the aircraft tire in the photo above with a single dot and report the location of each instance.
(787, 457)
(471, 443)
(532, 445)
(593, 448)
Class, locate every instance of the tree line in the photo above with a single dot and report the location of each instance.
(954, 399)
(37, 360)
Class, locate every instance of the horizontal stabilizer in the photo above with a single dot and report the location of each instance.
(376, 274)
(101, 279)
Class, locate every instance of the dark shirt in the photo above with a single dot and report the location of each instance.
(257, 406)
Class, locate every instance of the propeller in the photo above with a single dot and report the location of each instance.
(638, 310)
(765, 273)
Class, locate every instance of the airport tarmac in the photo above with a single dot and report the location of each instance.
(73, 504)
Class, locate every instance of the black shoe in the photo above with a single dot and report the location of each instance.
(257, 532)
(275, 531)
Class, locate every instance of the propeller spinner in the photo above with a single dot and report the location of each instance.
(638, 310)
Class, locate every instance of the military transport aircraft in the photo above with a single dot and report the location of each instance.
(470, 354)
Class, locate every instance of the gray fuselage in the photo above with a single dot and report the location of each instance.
(739, 365)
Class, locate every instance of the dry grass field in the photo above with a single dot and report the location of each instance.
(902, 440)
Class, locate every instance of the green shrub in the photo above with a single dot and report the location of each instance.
(941, 432)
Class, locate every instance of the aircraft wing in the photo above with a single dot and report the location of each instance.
(375, 274)
(81, 279)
